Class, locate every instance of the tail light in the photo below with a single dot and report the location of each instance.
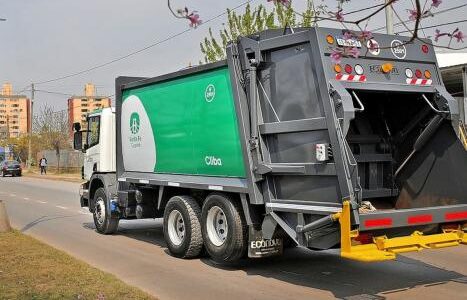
(427, 74)
(418, 73)
(358, 69)
(387, 67)
(348, 69)
(424, 48)
(408, 73)
(337, 68)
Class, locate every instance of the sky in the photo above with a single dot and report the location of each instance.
(46, 39)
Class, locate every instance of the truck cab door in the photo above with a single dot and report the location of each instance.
(91, 159)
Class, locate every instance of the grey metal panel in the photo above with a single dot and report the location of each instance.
(279, 42)
(242, 112)
(296, 147)
(289, 81)
(188, 181)
(316, 188)
(293, 126)
(298, 208)
(399, 218)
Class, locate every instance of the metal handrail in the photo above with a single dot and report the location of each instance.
(432, 107)
(362, 108)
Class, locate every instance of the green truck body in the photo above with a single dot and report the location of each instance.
(193, 123)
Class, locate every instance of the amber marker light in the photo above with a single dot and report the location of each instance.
(427, 74)
(337, 68)
(330, 39)
(387, 67)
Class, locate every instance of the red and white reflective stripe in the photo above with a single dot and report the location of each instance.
(348, 77)
(419, 81)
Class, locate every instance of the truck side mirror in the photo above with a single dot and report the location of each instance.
(77, 126)
(78, 140)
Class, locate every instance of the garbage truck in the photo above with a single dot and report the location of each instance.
(282, 144)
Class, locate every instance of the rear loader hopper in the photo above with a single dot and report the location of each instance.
(280, 142)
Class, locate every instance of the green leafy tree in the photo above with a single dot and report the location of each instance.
(251, 21)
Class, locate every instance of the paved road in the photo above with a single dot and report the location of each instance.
(49, 211)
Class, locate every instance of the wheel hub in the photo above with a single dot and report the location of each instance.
(99, 211)
(216, 225)
(176, 227)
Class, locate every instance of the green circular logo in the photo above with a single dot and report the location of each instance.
(134, 123)
(210, 93)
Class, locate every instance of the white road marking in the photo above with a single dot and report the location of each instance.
(12, 195)
(26, 198)
(43, 202)
(62, 207)
(84, 212)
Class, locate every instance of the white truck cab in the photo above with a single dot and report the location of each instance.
(99, 148)
(99, 162)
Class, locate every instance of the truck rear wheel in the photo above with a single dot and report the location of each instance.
(224, 228)
(182, 228)
(105, 224)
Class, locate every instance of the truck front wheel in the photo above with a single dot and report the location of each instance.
(224, 228)
(182, 228)
(105, 224)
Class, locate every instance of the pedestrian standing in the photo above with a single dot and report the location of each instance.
(43, 165)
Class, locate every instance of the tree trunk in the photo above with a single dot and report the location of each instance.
(58, 163)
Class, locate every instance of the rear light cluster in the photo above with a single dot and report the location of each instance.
(418, 73)
(349, 69)
(417, 219)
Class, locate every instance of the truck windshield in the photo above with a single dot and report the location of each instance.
(93, 131)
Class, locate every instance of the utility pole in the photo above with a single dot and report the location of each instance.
(389, 20)
(30, 125)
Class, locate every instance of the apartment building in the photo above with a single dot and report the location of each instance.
(80, 106)
(14, 113)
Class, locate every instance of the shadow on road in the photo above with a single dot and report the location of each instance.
(323, 270)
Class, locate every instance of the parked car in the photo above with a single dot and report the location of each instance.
(10, 167)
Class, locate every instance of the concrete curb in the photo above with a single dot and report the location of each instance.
(4, 221)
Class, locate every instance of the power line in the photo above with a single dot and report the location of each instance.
(434, 14)
(140, 50)
(362, 9)
(437, 25)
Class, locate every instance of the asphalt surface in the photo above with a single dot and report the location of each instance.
(49, 210)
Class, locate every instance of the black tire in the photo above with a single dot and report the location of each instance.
(234, 243)
(103, 221)
(185, 241)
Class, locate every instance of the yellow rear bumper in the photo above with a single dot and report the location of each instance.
(384, 248)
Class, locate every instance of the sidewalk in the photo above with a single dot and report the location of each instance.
(71, 177)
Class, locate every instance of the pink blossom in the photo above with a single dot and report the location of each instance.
(413, 14)
(354, 51)
(366, 35)
(339, 15)
(336, 56)
(436, 3)
(347, 35)
(459, 36)
(372, 45)
(194, 20)
(439, 34)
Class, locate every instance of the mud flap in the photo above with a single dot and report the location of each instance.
(260, 247)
